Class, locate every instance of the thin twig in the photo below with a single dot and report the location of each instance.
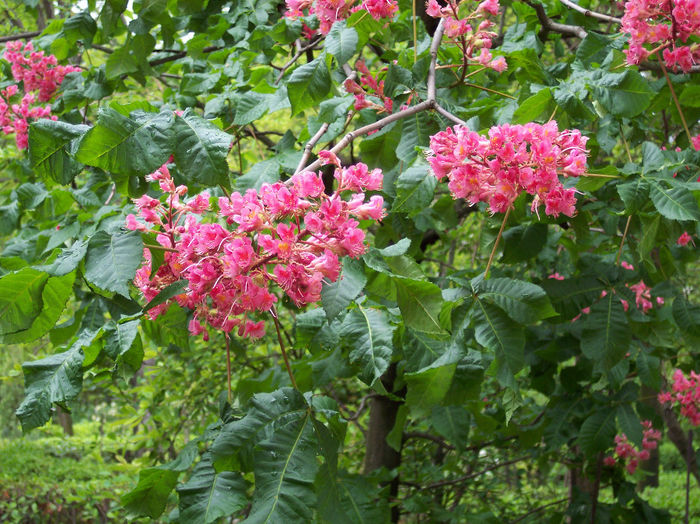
(180, 54)
(550, 25)
(444, 112)
(228, 367)
(495, 245)
(627, 146)
(309, 147)
(474, 475)
(675, 100)
(622, 242)
(427, 436)
(19, 36)
(162, 248)
(273, 312)
(538, 509)
(297, 55)
(468, 84)
(592, 14)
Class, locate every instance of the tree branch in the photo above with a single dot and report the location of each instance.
(19, 36)
(474, 475)
(180, 54)
(296, 57)
(550, 25)
(592, 14)
(309, 147)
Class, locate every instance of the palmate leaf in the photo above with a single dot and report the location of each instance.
(370, 336)
(200, 150)
(606, 337)
(571, 295)
(54, 296)
(522, 301)
(497, 332)
(50, 149)
(309, 84)
(349, 499)
(57, 378)
(20, 299)
(135, 145)
(208, 495)
(414, 189)
(279, 432)
(420, 303)
(597, 431)
(676, 203)
(336, 296)
(112, 260)
(341, 41)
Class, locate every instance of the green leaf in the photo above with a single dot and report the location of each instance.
(120, 337)
(150, 495)
(522, 301)
(524, 242)
(420, 303)
(630, 424)
(112, 260)
(676, 203)
(624, 94)
(349, 499)
(453, 423)
(370, 336)
(606, 337)
(571, 295)
(415, 132)
(201, 150)
(634, 194)
(20, 299)
(497, 332)
(129, 146)
(341, 42)
(249, 107)
(687, 317)
(427, 388)
(337, 296)
(414, 189)
(532, 108)
(207, 495)
(168, 292)
(308, 85)
(597, 432)
(690, 97)
(67, 260)
(57, 378)
(51, 144)
(54, 296)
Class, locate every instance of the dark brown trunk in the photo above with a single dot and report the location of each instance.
(64, 420)
(382, 417)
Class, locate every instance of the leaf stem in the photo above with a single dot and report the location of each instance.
(622, 242)
(469, 84)
(273, 312)
(228, 367)
(498, 239)
(675, 100)
(161, 248)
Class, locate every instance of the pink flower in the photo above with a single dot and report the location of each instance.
(556, 276)
(684, 239)
(695, 141)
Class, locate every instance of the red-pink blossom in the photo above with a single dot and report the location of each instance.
(684, 239)
(330, 11)
(511, 160)
(289, 235)
(685, 392)
(629, 454)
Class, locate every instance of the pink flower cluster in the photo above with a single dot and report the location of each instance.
(290, 235)
(512, 159)
(685, 239)
(37, 72)
(330, 11)
(663, 24)
(369, 86)
(472, 32)
(685, 392)
(626, 452)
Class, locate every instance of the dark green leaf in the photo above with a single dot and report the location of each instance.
(50, 147)
(624, 94)
(112, 260)
(676, 203)
(150, 495)
(341, 42)
(20, 299)
(420, 303)
(308, 85)
(523, 302)
(414, 189)
(370, 336)
(336, 296)
(201, 150)
(597, 432)
(605, 338)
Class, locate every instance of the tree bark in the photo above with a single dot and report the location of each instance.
(382, 417)
(64, 420)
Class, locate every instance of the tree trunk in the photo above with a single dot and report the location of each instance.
(63, 419)
(382, 417)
